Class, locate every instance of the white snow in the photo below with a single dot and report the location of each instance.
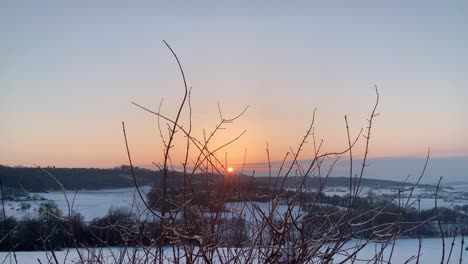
(404, 249)
(90, 204)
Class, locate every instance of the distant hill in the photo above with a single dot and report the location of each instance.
(314, 182)
(36, 180)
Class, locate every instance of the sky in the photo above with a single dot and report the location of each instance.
(70, 70)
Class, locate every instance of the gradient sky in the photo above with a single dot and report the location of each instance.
(68, 72)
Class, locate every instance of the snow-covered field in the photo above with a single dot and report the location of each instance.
(90, 204)
(404, 250)
(456, 195)
(96, 203)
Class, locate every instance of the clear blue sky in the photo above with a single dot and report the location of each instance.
(69, 70)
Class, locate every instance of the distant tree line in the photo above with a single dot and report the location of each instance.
(37, 179)
(52, 230)
(40, 179)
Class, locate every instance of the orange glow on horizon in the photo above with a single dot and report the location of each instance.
(230, 170)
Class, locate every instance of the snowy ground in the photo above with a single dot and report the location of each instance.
(404, 249)
(89, 204)
(448, 196)
(96, 203)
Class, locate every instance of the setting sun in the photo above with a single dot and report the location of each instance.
(230, 170)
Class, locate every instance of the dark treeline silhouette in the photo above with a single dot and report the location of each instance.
(38, 180)
(35, 179)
